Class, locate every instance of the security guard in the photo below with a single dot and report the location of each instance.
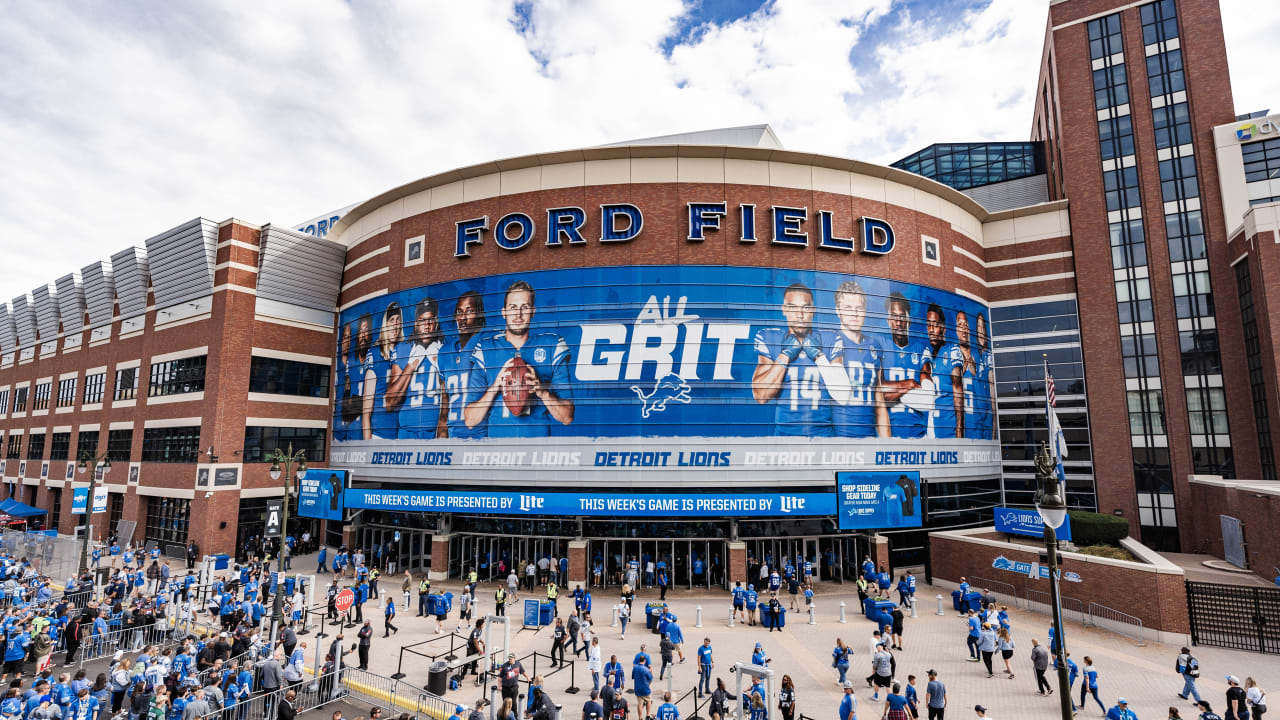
(424, 589)
(552, 593)
(500, 601)
(471, 583)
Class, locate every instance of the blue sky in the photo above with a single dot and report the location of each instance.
(121, 121)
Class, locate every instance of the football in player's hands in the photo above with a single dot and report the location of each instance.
(515, 386)
(791, 347)
(811, 347)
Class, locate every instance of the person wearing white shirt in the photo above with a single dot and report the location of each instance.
(593, 662)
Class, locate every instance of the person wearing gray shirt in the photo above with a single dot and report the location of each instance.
(197, 707)
(936, 696)
(272, 675)
(214, 695)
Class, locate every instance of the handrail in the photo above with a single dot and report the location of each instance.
(1011, 591)
(1069, 604)
(1120, 622)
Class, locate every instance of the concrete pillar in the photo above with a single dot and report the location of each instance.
(737, 563)
(577, 563)
(440, 556)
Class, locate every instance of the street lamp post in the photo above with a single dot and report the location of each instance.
(1052, 507)
(90, 461)
(288, 459)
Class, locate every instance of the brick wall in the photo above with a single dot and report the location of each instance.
(1258, 509)
(1162, 604)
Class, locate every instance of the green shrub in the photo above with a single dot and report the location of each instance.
(1090, 528)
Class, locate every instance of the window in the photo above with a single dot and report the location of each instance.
(259, 442)
(60, 446)
(1261, 160)
(35, 447)
(126, 384)
(171, 445)
(41, 399)
(1253, 355)
(66, 392)
(119, 445)
(20, 399)
(4, 401)
(55, 505)
(1207, 411)
(175, 377)
(1146, 412)
(115, 507)
(87, 444)
(288, 377)
(167, 520)
(15, 448)
(93, 386)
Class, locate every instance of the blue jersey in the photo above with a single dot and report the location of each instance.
(803, 405)
(949, 358)
(420, 412)
(386, 421)
(977, 423)
(905, 363)
(862, 360)
(547, 353)
(455, 368)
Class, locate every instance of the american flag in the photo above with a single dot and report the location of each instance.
(1053, 397)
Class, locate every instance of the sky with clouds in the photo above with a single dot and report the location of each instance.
(121, 120)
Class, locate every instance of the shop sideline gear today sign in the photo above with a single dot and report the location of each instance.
(1018, 521)
(80, 498)
(878, 500)
(666, 371)
(320, 494)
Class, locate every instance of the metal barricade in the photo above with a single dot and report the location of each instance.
(125, 639)
(374, 689)
(1003, 588)
(310, 694)
(1041, 601)
(1116, 621)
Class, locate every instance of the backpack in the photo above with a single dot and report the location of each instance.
(455, 682)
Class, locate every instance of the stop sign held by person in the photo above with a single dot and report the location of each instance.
(344, 600)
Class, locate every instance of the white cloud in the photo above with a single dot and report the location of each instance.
(122, 120)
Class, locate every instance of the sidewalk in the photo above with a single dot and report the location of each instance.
(1144, 675)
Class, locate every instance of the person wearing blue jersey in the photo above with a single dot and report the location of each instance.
(546, 376)
(906, 381)
(349, 386)
(860, 411)
(954, 370)
(792, 365)
(424, 407)
(455, 364)
(982, 425)
(372, 385)
(391, 359)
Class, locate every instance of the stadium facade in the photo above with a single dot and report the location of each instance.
(704, 348)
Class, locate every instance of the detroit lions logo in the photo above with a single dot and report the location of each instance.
(668, 387)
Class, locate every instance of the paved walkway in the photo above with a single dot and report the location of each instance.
(1144, 675)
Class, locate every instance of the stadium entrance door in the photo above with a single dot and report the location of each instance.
(832, 556)
(494, 556)
(694, 563)
(408, 549)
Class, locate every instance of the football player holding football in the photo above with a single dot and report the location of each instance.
(859, 412)
(392, 356)
(530, 371)
(422, 413)
(790, 366)
(372, 385)
(980, 425)
(906, 374)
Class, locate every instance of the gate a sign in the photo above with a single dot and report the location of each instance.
(274, 509)
(342, 603)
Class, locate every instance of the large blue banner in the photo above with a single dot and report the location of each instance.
(1019, 521)
(878, 500)
(561, 368)
(594, 504)
(321, 493)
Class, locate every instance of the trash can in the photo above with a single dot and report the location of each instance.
(884, 606)
(972, 601)
(545, 612)
(956, 602)
(438, 678)
(221, 561)
(651, 611)
(766, 618)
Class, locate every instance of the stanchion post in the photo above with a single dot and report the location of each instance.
(912, 600)
(573, 678)
(842, 619)
(698, 622)
(731, 614)
(399, 673)
(812, 619)
(613, 619)
(940, 606)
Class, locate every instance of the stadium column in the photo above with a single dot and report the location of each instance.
(880, 552)
(440, 556)
(577, 563)
(737, 562)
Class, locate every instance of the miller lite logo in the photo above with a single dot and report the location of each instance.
(529, 503)
(791, 502)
